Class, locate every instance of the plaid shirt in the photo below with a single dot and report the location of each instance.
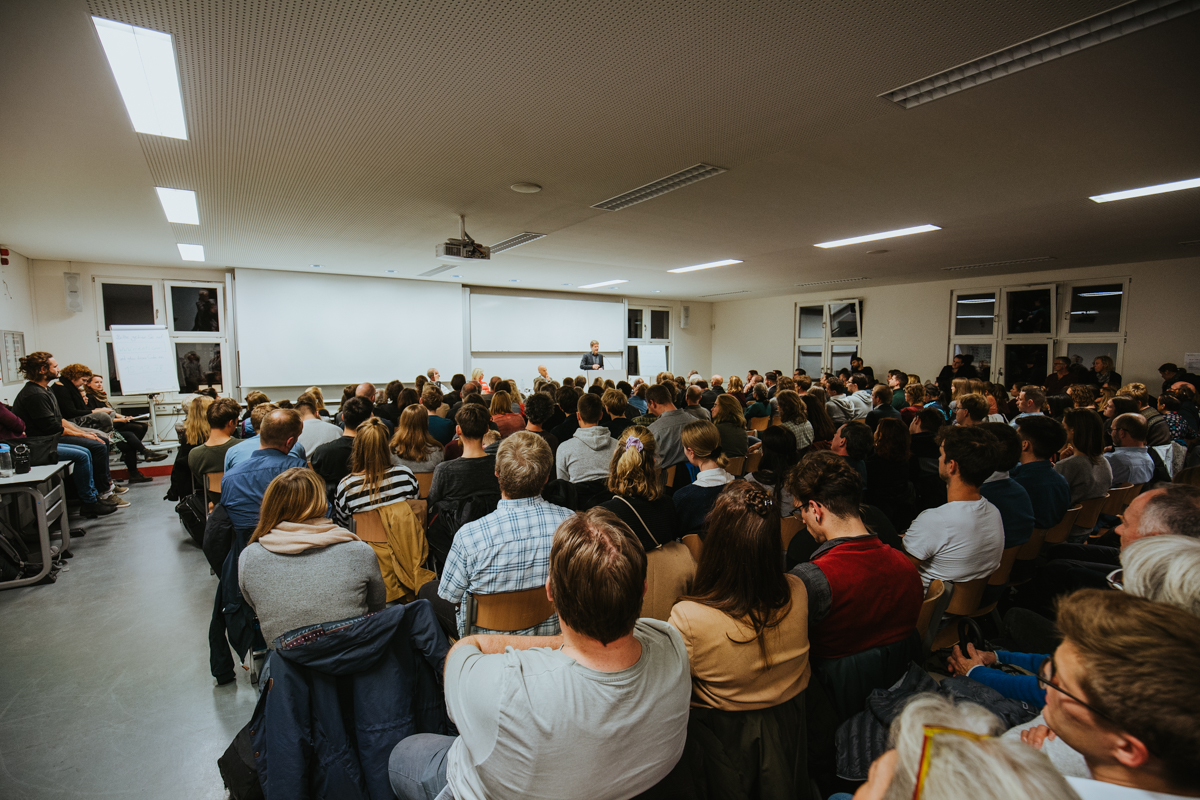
(506, 551)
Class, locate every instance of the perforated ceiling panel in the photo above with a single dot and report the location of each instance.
(350, 134)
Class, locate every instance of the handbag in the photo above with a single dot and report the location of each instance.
(41, 451)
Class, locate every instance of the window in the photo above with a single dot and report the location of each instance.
(648, 341)
(1094, 322)
(827, 336)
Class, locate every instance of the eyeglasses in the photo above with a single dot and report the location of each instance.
(927, 753)
(1046, 675)
(1116, 579)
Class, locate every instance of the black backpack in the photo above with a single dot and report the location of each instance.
(448, 516)
(192, 516)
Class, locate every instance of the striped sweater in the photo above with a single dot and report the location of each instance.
(353, 496)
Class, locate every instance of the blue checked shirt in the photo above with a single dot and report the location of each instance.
(506, 551)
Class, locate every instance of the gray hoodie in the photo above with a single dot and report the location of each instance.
(586, 455)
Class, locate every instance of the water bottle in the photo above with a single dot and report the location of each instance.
(6, 464)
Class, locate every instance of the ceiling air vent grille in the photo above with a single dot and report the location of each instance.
(827, 283)
(437, 270)
(723, 294)
(1103, 27)
(515, 241)
(999, 263)
(661, 186)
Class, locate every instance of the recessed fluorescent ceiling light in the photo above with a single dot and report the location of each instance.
(709, 265)
(191, 252)
(870, 237)
(515, 241)
(179, 205)
(660, 187)
(1161, 188)
(602, 283)
(143, 63)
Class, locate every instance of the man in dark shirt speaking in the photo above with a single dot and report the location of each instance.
(592, 360)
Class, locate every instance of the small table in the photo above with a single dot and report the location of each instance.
(49, 507)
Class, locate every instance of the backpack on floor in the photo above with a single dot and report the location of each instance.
(192, 516)
(238, 768)
(13, 564)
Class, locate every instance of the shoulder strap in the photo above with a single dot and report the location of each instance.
(649, 532)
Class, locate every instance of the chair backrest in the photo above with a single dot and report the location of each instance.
(967, 595)
(368, 526)
(752, 462)
(759, 423)
(1029, 551)
(1059, 532)
(692, 542)
(508, 611)
(1117, 499)
(214, 481)
(1190, 476)
(789, 526)
(1000, 576)
(670, 570)
(1091, 512)
(424, 481)
(669, 475)
(736, 465)
(937, 597)
(776, 419)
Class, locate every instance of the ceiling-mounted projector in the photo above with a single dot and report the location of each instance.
(462, 250)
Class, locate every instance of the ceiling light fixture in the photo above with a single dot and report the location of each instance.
(179, 205)
(978, 300)
(390, 271)
(456, 276)
(1100, 294)
(602, 283)
(515, 241)
(1161, 188)
(974, 316)
(722, 294)
(709, 265)
(513, 280)
(826, 283)
(316, 266)
(429, 273)
(143, 64)
(526, 188)
(660, 187)
(191, 252)
(999, 263)
(870, 237)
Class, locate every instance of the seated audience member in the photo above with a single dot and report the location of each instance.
(374, 479)
(1030, 402)
(468, 389)
(1113, 694)
(778, 457)
(972, 410)
(939, 747)
(859, 387)
(545, 710)
(210, 457)
(509, 549)
(316, 430)
(745, 623)
(368, 392)
(412, 445)
(1048, 491)
(923, 463)
(12, 427)
(255, 399)
(760, 406)
(1058, 380)
(505, 420)
(735, 390)
(69, 393)
(793, 415)
(440, 428)
(1057, 405)
(316, 392)
(1114, 407)
(35, 405)
(389, 410)
(1082, 461)
(913, 402)
(702, 446)
(1105, 373)
(1129, 459)
(854, 442)
(861, 593)
(709, 398)
(666, 428)
(1181, 429)
(538, 409)
(824, 428)
(1157, 431)
(731, 424)
(638, 400)
(638, 497)
(567, 400)
(332, 459)
(887, 486)
(337, 576)
(693, 407)
(477, 379)
(456, 386)
(964, 539)
(244, 447)
(1082, 396)
(838, 405)
(896, 381)
(586, 455)
(881, 406)
(464, 480)
(131, 430)
(1007, 495)
(192, 433)
(615, 404)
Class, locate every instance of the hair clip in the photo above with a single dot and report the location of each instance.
(759, 502)
(635, 443)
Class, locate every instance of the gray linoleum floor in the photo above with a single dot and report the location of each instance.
(104, 684)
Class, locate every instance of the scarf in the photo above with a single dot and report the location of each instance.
(100, 396)
(291, 538)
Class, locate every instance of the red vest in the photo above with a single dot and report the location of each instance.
(876, 598)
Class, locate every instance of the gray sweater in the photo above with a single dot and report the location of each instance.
(1087, 480)
(320, 585)
(586, 455)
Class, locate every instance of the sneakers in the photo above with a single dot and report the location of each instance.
(117, 490)
(137, 477)
(151, 455)
(98, 509)
(116, 501)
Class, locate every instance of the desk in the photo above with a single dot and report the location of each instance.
(49, 507)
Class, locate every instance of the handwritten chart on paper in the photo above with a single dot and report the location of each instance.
(145, 359)
(14, 351)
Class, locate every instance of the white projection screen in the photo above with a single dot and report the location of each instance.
(303, 329)
(514, 324)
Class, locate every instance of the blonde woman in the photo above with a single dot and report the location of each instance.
(373, 480)
(477, 377)
(702, 447)
(731, 424)
(413, 446)
(315, 391)
(638, 496)
(193, 433)
(506, 421)
(301, 568)
(735, 390)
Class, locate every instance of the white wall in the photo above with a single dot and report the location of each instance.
(16, 311)
(907, 326)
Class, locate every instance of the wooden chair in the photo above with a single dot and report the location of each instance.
(1190, 476)
(424, 481)
(1058, 534)
(776, 420)
(508, 611)
(788, 528)
(368, 526)
(1090, 512)
(965, 602)
(759, 423)
(212, 485)
(692, 542)
(1118, 498)
(736, 465)
(937, 597)
(669, 475)
(999, 578)
(752, 462)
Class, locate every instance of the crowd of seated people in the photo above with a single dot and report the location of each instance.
(894, 486)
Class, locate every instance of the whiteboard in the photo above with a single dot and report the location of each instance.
(145, 359)
(513, 324)
(303, 329)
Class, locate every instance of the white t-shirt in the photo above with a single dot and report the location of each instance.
(533, 723)
(959, 541)
(317, 432)
(1095, 790)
